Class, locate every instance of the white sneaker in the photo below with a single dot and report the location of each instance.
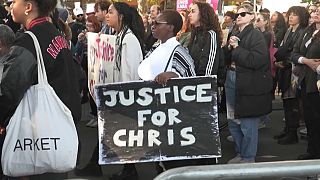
(235, 160)
(303, 131)
(262, 125)
(230, 138)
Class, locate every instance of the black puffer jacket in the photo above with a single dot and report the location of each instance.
(17, 76)
(253, 75)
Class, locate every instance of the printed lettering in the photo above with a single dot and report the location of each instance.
(39, 144)
(18, 145)
(57, 44)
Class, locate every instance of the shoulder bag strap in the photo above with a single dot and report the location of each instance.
(42, 75)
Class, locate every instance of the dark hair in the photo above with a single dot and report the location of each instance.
(231, 14)
(7, 36)
(130, 19)
(172, 17)
(208, 21)
(54, 15)
(302, 13)
(62, 27)
(96, 24)
(45, 7)
(280, 23)
(103, 4)
(265, 10)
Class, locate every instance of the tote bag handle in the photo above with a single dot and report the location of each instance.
(42, 75)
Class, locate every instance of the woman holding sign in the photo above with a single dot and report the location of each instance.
(169, 60)
(129, 29)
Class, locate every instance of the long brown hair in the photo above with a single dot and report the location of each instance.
(208, 21)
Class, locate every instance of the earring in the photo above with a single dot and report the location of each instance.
(26, 13)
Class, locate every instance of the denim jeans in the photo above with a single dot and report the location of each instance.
(244, 130)
(245, 136)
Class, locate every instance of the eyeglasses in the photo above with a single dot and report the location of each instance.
(155, 23)
(79, 15)
(242, 14)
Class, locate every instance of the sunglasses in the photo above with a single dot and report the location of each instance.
(79, 15)
(242, 14)
(155, 23)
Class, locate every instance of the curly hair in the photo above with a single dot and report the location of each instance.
(45, 7)
(302, 13)
(208, 21)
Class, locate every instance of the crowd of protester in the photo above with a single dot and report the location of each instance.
(253, 55)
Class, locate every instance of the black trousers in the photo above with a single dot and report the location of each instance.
(291, 113)
(311, 110)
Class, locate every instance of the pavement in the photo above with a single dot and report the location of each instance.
(268, 149)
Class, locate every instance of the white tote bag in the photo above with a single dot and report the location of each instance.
(41, 135)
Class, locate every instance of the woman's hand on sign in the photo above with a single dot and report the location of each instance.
(162, 78)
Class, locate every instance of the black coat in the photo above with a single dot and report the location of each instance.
(253, 74)
(284, 55)
(312, 52)
(60, 67)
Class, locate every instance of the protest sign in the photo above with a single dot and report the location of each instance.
(143, 121)
(101, 55)
(185, 4)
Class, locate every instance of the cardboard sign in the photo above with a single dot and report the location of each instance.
(143, 121)
(185, 4)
